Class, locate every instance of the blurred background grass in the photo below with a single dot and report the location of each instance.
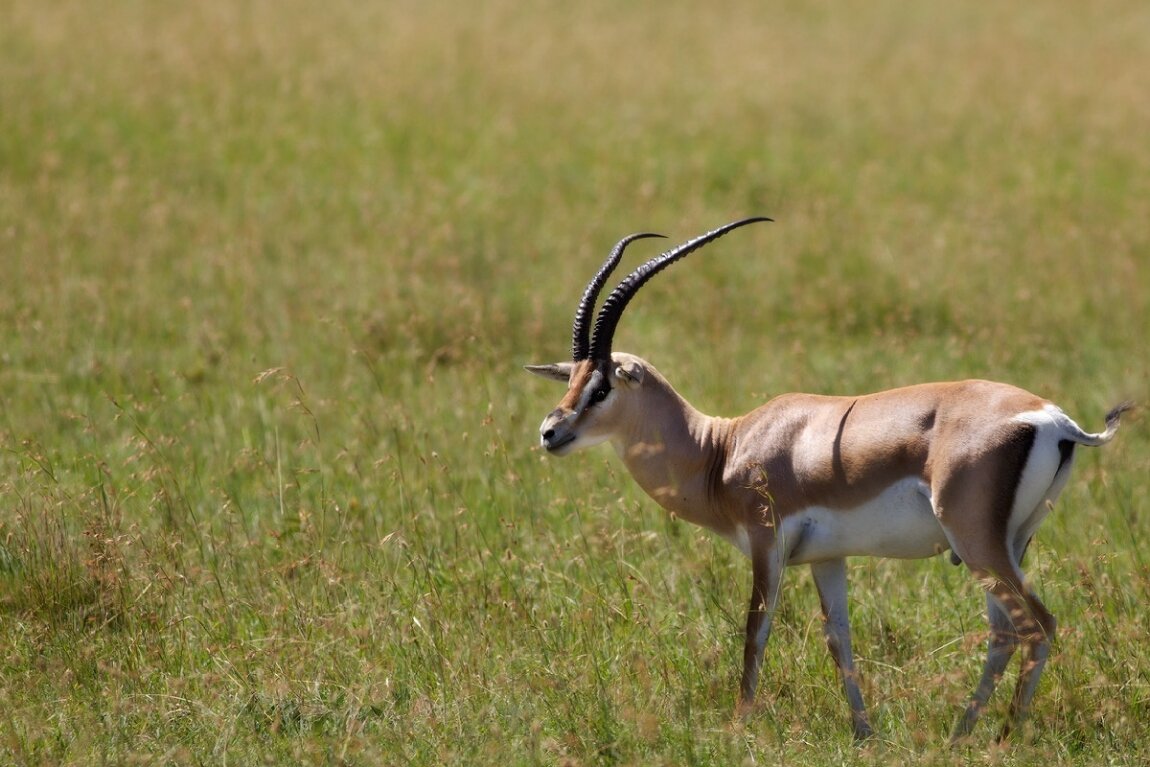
(268, 490)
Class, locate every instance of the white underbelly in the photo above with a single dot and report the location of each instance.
(898, 523)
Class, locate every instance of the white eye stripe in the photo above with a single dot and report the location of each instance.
(589, 390)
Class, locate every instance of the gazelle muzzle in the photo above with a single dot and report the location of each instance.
(558, 429)
(555, 432)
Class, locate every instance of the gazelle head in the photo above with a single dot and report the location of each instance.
(601, 386)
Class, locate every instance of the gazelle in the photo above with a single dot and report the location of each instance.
(971, 467)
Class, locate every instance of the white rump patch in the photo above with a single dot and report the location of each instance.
(1049, 415)
(1041, 481)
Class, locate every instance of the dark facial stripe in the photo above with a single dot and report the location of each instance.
(590, 378)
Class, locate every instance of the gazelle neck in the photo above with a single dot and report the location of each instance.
(677, 454)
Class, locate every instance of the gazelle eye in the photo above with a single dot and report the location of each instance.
(600, 395)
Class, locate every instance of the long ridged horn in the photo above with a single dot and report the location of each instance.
(616, 302)
(581, 330)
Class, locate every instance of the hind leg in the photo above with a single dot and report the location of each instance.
(1000, 649)
(1017, 618)
(1036, 627)
(1035, 652)
(989, 505)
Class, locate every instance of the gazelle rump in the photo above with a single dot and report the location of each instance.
(970, 466)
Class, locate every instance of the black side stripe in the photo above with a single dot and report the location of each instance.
(1065, 451)
(1016, 453)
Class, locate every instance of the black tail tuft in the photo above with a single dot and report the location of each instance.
(1115, 415)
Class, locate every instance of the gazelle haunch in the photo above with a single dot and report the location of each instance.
(971, 467)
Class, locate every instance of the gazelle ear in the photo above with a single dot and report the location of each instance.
(630, 373)
(560, 371)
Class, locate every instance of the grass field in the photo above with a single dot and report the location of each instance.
(269, 490)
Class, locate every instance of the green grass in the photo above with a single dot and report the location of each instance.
(268, 485)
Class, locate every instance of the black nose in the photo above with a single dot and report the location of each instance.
(547, 435)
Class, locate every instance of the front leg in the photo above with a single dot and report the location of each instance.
(831, 581)
(766, 574)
